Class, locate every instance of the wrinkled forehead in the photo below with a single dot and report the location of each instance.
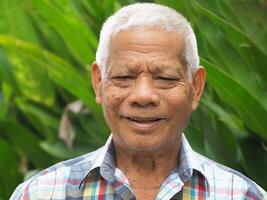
(147, 36)
(155, 44)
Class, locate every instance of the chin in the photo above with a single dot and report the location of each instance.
(144, 148)
(141, 146)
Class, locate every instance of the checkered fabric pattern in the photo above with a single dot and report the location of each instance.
(94, 176)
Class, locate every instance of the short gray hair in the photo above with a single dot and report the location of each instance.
(147, 15)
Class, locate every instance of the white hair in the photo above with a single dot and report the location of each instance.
(147, 15)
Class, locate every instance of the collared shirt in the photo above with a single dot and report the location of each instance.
(95, 176)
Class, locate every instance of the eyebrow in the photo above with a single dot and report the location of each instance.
(164, 68)
(126, 67)
(155, 69)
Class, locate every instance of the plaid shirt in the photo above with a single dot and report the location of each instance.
(95, 176)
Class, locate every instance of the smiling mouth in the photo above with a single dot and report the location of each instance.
(144, 120)
(144, 123)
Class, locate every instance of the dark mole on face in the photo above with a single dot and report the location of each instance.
(116, 97)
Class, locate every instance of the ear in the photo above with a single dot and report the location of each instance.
(198, 78)
(96, 82)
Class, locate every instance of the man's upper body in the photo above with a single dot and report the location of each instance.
(95, 176)
(148, 80)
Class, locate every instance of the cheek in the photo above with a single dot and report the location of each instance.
(110, 94)
(113, 99)
(178, 101)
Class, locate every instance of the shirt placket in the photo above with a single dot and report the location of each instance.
(170, 187)
(121, 186)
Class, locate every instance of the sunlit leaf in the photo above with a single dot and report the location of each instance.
(77, 36)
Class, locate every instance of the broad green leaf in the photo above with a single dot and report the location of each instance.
(230, 50)
(44, 119)
(29, 78)
(195, 138)
(91, 133)
(32, 81)
(182, 6)
(214, 141)
(20, 137)
(51, 40)
(227, 44)
(6, 69)
(258, 42)
(109, 7)
(79, 39)
(5, 97)
(251, 17)
(230, 148)
(15, 21)
(213, 145)
(235, 95)
(60, 150)
(255, 159)
(93, 8)
(60, 71)
(230, 120)
(9, 176)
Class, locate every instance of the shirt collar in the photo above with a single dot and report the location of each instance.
(189, 162)
(188, 159)
(104, 160)
(101, 156)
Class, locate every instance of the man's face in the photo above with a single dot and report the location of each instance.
(146, 95)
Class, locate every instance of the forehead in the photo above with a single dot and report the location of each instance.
(139, 46)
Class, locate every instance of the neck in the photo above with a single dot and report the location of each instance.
(150, 168)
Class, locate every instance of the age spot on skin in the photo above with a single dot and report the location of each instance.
(114, 96)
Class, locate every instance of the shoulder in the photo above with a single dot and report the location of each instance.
(224, 180)
(55, 178)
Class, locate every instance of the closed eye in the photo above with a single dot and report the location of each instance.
(167, 79)
(167, 82)
(123, 77)
(123, 81)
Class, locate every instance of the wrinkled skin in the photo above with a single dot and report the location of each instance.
(146, 95)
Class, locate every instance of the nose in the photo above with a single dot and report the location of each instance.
(144, 94)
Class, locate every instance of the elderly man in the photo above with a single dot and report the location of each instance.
(147, 79)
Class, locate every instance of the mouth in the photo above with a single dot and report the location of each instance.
(144, 119)
(144, 123)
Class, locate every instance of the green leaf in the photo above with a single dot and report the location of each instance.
(42, 118)
(60, 150)
(79, 39)
(195, 138)
(5, 97)
(9, 176)
(93, 8)
(255, 159)
(6, 70)
(15, 21)
(259, 42)
(226, 43)
(229, 119)
(30, 80)
(60, 71)
(239, 98)
(20, 137)
(33, 82)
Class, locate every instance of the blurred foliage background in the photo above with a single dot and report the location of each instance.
(47, 107)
